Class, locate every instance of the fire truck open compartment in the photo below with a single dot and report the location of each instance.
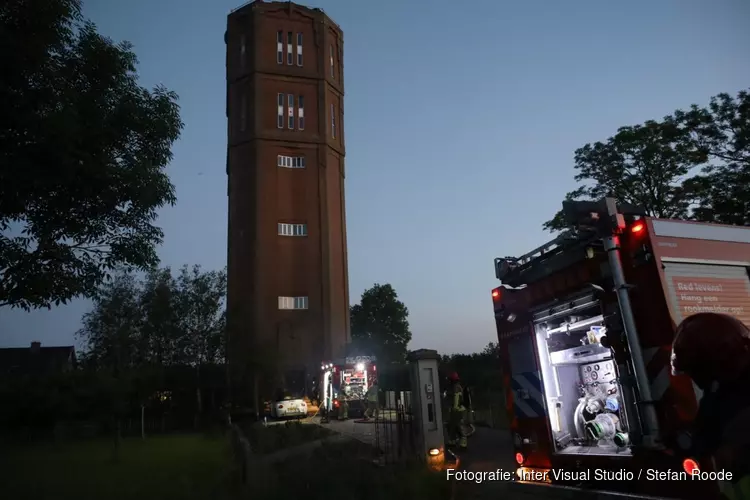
(354, 381)
(583, 395)
(348, 379)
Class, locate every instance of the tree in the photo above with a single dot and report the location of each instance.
(112, 329)
(647, 165)
(160, 333)
(112, 335)
(141, 333)
(202, 313)
(722, 133)
(161, 322)
(83, 151)
(479, 370)
(643, 164)
(380, 324)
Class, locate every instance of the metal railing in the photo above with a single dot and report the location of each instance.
(395, 438)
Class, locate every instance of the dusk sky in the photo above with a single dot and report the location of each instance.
(461, 122)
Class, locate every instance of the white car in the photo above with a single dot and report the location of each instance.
(289, 407)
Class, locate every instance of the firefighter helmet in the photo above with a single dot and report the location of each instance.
(453, 377)
(711, 347)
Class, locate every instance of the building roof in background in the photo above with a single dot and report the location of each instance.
(36, 359)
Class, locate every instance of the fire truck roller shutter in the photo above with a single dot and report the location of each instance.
(696, 287)
(526, 383)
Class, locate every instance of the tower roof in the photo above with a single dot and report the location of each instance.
(262, 6)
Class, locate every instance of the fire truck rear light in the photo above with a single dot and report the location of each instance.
(496, 293)
(519, 458)
(689, 466)
(637, 227)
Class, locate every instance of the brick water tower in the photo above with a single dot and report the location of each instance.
(288, 292)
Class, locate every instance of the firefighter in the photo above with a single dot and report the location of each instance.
(714, 351)
(372, 401)
(456, 413)
(343, 406)
(316, 396)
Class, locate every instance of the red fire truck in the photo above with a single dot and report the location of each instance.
(347, 379)
(585, 325)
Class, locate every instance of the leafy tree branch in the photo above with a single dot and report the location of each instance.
(83, 151)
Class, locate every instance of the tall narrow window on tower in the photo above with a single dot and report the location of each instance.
(280, 47)
(301, 112)
(289, 45)
(290, 111)
(280, 116)
(333, 122)
(299, 49)
(243, 50)
(243, 112)
(330, 47)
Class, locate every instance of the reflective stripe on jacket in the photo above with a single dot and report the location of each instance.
(458, 398)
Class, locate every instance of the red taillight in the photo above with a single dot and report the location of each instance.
(689, 466)
(374, 368)
(495, 294)
(519, 458)
(336, 403)
(637, 227)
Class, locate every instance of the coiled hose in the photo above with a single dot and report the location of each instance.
(578, 418)
(309, 418)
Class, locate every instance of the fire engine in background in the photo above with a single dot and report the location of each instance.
(585, 325)
(347, 379)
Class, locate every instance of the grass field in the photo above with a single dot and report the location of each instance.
(346, 470)
(272, 438)
(188, 467)
(162, 467)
